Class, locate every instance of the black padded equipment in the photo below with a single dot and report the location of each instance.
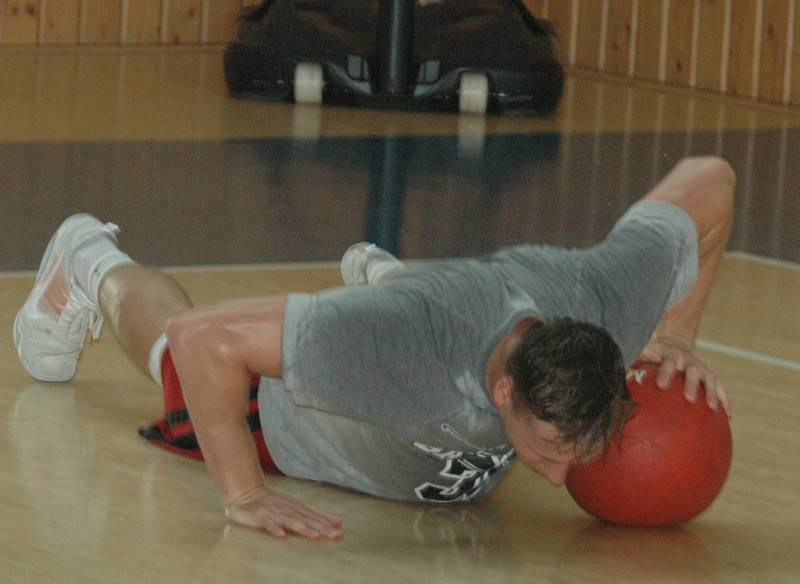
(396, 53)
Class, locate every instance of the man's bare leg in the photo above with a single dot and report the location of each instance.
(137, 302)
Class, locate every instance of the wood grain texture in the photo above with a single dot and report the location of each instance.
(649, 41)
(87, 498)
(618, 40)
(710, 44)
(679, 41)
(536, 7)
(741, 55)
(219, 20)
(59, 22)
(86, 501)
(101, 22)
(648, 56)
(772, 62)
(143, 22)
(587, 42)
(183, 22)
(794, 96)
(560, 15)
(19, 22)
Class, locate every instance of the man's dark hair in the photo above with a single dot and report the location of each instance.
(571, 374)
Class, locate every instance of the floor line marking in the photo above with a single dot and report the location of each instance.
(748, 355)
(743, 255)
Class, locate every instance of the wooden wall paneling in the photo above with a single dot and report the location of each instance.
(183, 22)
(19, 22)
(142, 22)
(710, 44)
(559, 13)
(679, 41)
(713, 44)
(536, 7)
(794, 93)
(101, 22)
(618, 39)
(589, 34)
(59, 22)
(648, 39)
(772, 62)
(740, 53)
(219, 20)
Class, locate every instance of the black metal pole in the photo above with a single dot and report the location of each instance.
(395, 43)
(388, 182)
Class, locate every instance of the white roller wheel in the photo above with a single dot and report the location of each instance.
(308, 83)
(473, 93)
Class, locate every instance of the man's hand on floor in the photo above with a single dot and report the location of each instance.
(279, 515)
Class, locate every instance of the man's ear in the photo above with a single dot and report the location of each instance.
(502, 392)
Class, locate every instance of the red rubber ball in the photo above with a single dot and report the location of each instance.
(669, 464)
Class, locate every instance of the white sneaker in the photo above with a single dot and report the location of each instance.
(365, 263)
(50, 328)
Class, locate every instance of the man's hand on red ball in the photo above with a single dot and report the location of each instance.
(675, 355)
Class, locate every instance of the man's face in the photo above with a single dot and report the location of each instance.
(539, 446)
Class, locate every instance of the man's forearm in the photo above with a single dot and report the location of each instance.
(704, 189)
(215, 349)
(216, 389)
(681, 321)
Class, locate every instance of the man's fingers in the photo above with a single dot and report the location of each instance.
(675, 357)
(302, 520)
(272, 527)
(301, 527)
(312, 528)
(650, 355)
(691, 383)
(712, 397)
(323, 520)
(279, 523)
(665, 373)
(334, 519)
(280, 515)
(724, 400)
(319, 523)
(308, 511)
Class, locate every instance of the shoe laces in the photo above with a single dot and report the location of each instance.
(80, 315)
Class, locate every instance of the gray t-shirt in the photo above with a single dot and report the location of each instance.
(383, 387)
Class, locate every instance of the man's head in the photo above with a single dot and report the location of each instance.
(564, 395)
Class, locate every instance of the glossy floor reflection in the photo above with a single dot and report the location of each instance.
(277, 200)
(85, 499)
(150, 139)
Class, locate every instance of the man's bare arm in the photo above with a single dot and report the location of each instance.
(215, 350)
(703, 187)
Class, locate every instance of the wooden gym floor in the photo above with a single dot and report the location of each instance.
(244, 198)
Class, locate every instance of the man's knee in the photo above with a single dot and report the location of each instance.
(723, 178)
(703, 186)
(714, 169)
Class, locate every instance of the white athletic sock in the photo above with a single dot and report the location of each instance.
(156, 355)
(93, 260)
(379, 267)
